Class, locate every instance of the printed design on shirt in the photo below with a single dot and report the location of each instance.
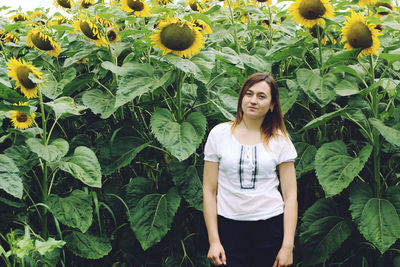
(248, 167)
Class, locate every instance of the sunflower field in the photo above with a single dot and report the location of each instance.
(105, 107)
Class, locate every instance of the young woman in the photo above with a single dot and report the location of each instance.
(248, 222)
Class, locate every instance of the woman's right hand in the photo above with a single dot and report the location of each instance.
(216, 254)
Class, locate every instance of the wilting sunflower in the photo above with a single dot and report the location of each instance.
(383, 13)
(19, 17)
(364, 3)
(161, 2)
(58, 20)
(21, 120)
(19, 72)
(9, 38)
(139, 7)
(65, 4)
(194, 5)
(311, 12)
(112, 36)
(262, 2)
(104, 22)
(43, 42)
(205, 28)
(232, 3)
(86, 3)
(37, 14)
(179, 37)
(360, 34)
(90, 30)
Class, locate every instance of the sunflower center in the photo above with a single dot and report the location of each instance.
(359, 36)
(41, 41)
(22, 117)
(23, 77)
(177, 37)
(311, 9)
(20, 17)
(89, 30)
(193, 6)
(65, 3)
(86, 4)
(135, 5)
(111, 35)
(262, 1)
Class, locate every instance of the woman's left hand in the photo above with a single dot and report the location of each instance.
(284, 257)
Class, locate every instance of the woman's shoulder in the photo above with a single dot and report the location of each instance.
(221, 128)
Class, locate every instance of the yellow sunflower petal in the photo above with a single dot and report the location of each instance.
(90, 30)
(364, 3)
(43, 42)
(311, 12)
(139, 7)
(64, 4)
(21, 120)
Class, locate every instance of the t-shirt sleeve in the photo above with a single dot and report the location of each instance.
(288, 151)
(211, 148)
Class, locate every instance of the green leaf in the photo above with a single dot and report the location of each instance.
(99, 102)
(87, 245)
(188, 183)
(359, 195)
(323, 207)
(319, 89)
(44, 247)
(393, 195)
(4, 79)
(180, 139)
(138, 80)
(256, 62)
(342, 57)
(391, 57)
(152, 217)
(114, 68)
(323, 119)
(10, 181)
(52, 152)
(75, 210)
(346, 88)
(287, 99)
(138, 188)
(380, 223)
(305, 159)
(390, 134)
(22, 157)
(83, 165)
(65, 105)
(23, 109)
(79, 83)
(358, 117)
(335, 168)
(10, 94)
(205, 61)
(187, 66)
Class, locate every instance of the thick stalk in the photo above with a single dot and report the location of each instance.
(375, 133)
(269, 28)
(44, 168)
(234, 26)
(181, 79)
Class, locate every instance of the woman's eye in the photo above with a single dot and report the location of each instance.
(262, 96)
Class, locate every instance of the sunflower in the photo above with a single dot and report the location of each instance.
(65, 4)
(82, 61)
(19, 72)
(360, 34)
(90, 30)
(9, 38)
(383, 12)
(86, 3)
(262, 2)
(179, 37)
(311, 12)
(139, 7)
(43, 42)
(194, 5)
(104, 22)
(364, 3)
(38, 14)
(21, 120)
(19, 17)
(112, 36)
(58, 20)
(205, 28)
(232, 3)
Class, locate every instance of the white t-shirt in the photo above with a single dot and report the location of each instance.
(247, 179)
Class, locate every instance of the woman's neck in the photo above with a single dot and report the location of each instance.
(251, 124)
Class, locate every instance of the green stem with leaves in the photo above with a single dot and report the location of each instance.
(234, 26)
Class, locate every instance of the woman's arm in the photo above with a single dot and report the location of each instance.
(216, 252)
(288, 182)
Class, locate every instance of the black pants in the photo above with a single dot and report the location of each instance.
(251, 243)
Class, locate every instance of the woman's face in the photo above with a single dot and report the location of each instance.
(256, 101)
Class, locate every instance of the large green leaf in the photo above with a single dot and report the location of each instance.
(287, 99)
(256, 62)
(99, 102)
(138, 80)
(87, 245)
(189, 67)
(52, 152)
(65, 105)
(305, 159)
(359, 195)
(380, 223)
(10, 94)
(319, 89)
(358, 117)
(322, 231)
(390, 134)
(138, 188)
(342, 57)
(335, 168)
(75, 210)
(4, 79)
(44, 247)
(393, 195)
(188, 183)
(83, 165)
(22, 157)
(323, 119)
(205, 61)
(152, 217)
(81, 82)
(347, 88)
(10, 181)
(181, 139)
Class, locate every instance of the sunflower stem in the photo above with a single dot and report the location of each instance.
(319, 48)
(234, 26)
(181, 79)
(270, 28)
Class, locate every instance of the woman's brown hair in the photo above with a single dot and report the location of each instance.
(273, 124)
